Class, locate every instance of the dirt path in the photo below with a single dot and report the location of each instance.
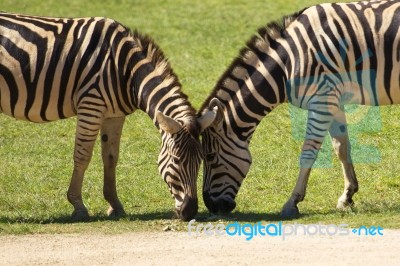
(178, 248)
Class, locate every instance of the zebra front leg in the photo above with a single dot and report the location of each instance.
(341, 145)
(318, 123)
(86, 132)
(290, 209)
(110, 139)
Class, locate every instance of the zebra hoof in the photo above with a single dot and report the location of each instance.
(342, 205)
(291, 212)
(80, 216)
(115, 214)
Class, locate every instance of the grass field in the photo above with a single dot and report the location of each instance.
(200, 39)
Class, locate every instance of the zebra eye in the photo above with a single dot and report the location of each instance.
(175, 159)
(210, 157)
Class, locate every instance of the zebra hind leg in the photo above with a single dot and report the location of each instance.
(110, 139)
(86, 132)
(341, 145)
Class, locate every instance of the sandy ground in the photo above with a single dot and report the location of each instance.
(178, 248)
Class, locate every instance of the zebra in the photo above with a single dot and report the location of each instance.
(100, 71)
(318, 59)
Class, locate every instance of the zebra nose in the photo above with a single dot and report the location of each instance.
(188, 209)
(210, 203)
(223, 204)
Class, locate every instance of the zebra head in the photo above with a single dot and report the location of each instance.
(179, 160)
(226, 163)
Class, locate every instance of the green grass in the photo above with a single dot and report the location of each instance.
(200, 39)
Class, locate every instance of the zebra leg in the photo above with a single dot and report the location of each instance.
(110, 139)
(290, 209)
(86, 133)
(341, 145)
(317, 128)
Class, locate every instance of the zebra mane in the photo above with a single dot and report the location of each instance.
(160, 62)
(151, 50)
(263, 40)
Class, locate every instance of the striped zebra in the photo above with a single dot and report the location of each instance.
(100, 71)
(319, 59)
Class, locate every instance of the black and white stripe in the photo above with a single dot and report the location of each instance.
(100, 71)
(319, 59)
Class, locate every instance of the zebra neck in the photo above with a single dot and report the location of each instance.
(177, 108)
(252, 87)
(159, 95)
(153, 85)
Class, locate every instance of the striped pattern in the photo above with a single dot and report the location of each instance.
(318, 59)
(183, 164)
(100, 71)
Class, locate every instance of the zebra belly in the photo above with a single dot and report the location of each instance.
(37, 113)
(352, 91)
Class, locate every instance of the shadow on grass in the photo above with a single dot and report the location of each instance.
(166, 215)
(203, 216)
(238, 216)
(66, 219)
(253, 217)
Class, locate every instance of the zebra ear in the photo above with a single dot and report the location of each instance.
(216, 105)
(207, 118)
(167, 123)
(214, 102)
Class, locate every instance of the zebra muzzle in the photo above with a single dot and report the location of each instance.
(188, 209)
(217, 205)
